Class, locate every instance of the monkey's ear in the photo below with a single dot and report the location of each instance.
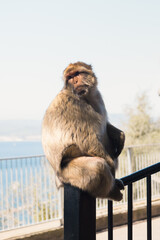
(66, 77)
(94, 80)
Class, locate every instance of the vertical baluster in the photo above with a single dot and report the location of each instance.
(7, 196)
(41, 189)
(17, 193)
(110, 220)
(32, 184)
(149, 226)
(12, 194)
(2, 205)
(36, 190)
(130, 209)
(27, 191)
(45, 190)
(22, 215)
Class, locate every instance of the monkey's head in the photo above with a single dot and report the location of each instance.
(80, 78)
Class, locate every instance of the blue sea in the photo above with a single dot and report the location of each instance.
(20, 149)
(16, 176)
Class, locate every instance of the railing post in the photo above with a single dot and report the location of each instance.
(110, 220)
(79, 214)
(130, 211)
(129, 159)
(149, 209)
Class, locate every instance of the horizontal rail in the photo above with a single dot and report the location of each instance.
(136, 176)
(22, 157)
(142, 145)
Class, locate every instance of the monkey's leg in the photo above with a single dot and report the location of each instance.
(91, 174)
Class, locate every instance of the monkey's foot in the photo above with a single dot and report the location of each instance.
(115, 193)
(119, 184)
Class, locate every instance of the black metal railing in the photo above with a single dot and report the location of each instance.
(80, 209)
(128, 180)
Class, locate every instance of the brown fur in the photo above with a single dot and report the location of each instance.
(75, 135)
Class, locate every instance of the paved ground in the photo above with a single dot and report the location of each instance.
(119, 233)
(139, 231)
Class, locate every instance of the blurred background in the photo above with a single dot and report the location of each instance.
(38, 39)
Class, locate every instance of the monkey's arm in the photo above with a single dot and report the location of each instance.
(117, 138)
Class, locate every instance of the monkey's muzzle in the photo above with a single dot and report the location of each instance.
(81, 90)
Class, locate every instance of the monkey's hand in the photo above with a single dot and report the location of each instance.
(115, 193)
(117, 138)
(58, 182)
(119, 144)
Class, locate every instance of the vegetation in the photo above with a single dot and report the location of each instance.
(141, 128)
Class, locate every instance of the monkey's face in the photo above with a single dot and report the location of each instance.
(79, 78)
(78, 82)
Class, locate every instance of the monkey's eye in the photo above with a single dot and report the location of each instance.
(76, 74)
(72, 75)
(84, 73)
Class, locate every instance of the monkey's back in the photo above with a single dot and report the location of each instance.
(71, 128)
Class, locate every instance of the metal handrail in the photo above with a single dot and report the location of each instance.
(128, 180)
(138, 175)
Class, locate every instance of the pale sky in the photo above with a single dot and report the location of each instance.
(39, 38)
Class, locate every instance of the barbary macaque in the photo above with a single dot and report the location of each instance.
(78, 140)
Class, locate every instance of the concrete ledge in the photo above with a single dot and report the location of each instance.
(51, 230)
(120, 214)
(47, 230)
(56, 234)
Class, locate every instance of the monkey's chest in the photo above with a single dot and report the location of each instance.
(85, 121)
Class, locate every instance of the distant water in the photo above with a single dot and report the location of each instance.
(18, 149)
